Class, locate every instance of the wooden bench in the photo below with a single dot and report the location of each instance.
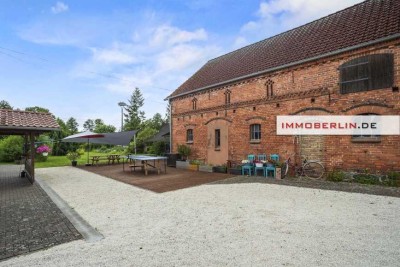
(111, 159)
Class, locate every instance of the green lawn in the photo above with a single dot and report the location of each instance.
(57, 161)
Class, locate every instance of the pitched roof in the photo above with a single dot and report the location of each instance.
(161, 135)
(372, 20)
(16, 119)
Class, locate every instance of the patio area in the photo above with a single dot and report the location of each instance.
(174, 179)
(29, 220)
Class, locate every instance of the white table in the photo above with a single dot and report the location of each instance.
(147, 162)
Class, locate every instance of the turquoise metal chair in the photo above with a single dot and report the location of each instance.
(249, 168)
(271, 169)
(260, 157)
(274, 157)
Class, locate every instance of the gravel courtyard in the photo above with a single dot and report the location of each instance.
(221, 225)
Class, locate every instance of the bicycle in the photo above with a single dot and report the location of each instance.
(310, 168)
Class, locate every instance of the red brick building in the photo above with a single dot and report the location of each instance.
(346, 63)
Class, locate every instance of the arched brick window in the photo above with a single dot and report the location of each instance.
(194, 103)
(269, 84)
(227, 97)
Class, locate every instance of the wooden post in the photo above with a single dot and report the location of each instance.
(32, 150)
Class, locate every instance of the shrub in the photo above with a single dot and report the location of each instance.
(196, 162)
(184, 151)
(366, 178)
(392, 179)
(158, 148)
(335, 176)
(40, 158)
(72, 156)
(11, 148)
(43, 149)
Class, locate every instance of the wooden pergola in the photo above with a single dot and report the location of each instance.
(30, 125)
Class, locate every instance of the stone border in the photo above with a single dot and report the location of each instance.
(84, 228)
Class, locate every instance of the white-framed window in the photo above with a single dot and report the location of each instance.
(255, 132)
(189, 136)
(367, 138)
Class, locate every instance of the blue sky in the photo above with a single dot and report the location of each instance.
(80, 58)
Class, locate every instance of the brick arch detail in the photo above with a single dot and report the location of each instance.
(217, 118)
(256, 118)
(190, 125)
(312, 111)
(377, 108)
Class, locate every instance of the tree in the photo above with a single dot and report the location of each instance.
(142, 136)
(167, 113)
(103, 128)
(89, 125)
(61, 148)
(72, 126)
(98, 122)
(134, 117)
(37, 109)
(154, 123)
(5, 105)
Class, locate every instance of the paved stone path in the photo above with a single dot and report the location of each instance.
(29, 220)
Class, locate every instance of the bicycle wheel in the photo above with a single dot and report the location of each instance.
(313, 170)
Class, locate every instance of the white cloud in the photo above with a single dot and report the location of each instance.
(157, 58)
(167, 35)
(59, 8)
(276, 16)
(112, 56)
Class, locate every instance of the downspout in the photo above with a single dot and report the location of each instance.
(170, 126)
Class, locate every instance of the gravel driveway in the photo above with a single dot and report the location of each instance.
(222, 225)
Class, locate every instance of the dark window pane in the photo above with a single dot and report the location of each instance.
(189, 135)
(255, 132)
(366, 73)
(217, 138)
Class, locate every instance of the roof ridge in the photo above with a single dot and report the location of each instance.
(24, 111)
(287, 31)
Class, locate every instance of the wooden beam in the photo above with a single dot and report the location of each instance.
(32, 157)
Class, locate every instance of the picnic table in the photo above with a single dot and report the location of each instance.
(112, 158)
(146, 163)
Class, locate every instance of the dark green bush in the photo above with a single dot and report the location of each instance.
(11, 148)
(184, 151)
(196, 162)
(335, 176)
(392, 179)
(366, 178)
(158, 148)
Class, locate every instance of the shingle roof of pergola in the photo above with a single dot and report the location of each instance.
(11, 120)
(357, 26)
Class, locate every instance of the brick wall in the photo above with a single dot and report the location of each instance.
(306, 89)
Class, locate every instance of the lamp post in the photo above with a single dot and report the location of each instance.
(122, 105)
